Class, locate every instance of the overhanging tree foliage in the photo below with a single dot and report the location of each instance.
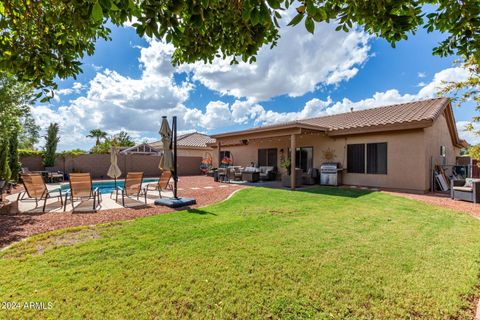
(51, 141)
(41, 40)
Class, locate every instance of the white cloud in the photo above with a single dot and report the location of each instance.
(421, 74)
(317, 107)
(439, 79)
(113, 102)
(470, 136)
(299, 64)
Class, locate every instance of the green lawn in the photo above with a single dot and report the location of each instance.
(323, 254)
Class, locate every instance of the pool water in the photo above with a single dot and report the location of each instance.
(107, 187)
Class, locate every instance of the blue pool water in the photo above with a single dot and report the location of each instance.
(107, 187)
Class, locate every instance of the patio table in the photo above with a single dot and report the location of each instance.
(250, 176)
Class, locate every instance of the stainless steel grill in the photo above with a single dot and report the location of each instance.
(331, 174)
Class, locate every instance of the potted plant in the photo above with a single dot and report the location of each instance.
(287, 165)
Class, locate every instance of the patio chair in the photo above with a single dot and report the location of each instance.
(468, 190)
(163, 183)
(36, 189)
(81, 188)
(132, 187)
(310, 177)
(25, 170)
(267, 173)
(235, 173)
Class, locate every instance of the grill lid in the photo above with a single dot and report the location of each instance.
(330, 166)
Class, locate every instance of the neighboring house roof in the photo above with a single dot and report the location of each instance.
(194, 140)
(140, 148)
(416, 114)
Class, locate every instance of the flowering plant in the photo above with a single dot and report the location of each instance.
(227, 161)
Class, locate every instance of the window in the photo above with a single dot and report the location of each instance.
(356, 158)
(377, 158)
(224, 154)
(267, 157)
(304, 158)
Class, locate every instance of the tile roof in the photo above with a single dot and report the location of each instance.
(189, 140)
(411, 112)
(376, 119)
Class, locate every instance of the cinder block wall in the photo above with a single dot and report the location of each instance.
(98, 164)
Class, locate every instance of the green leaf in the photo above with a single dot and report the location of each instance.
(97, 12)
(309, 24)
(275, 4)
(296, 20)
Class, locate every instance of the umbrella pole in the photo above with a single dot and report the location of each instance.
(115, 182)
(175, 176)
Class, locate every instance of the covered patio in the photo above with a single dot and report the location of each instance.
(272, 146)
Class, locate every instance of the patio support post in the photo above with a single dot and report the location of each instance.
(293, 148)
(218, 155)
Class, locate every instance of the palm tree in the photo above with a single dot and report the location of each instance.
(97, 134)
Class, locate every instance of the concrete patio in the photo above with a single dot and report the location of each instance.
(108, 200)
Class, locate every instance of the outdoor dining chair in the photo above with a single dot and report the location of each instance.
(163, 183)
(132, 187)
(36, 189)
(81, 188)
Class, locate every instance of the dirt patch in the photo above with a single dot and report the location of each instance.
(62, 239)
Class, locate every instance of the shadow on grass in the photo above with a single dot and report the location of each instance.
(337, 191)
(200, 211)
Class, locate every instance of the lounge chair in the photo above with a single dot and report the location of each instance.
(36, 189)
(163, 183)
(81, 188)
(133, 187)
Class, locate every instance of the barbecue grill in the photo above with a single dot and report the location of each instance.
(331, 174)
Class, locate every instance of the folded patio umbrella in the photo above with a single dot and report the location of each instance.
(114, 170)
(166, 159)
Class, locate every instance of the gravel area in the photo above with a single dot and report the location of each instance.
(442, 200)
(14, 227)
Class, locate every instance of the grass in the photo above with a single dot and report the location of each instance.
(323, 254)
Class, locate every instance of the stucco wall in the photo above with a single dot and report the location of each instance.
(98, 164)
(405, 156)
(435, 136)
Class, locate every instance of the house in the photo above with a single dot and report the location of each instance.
(143, 148)
(393, 146)
(192, 144)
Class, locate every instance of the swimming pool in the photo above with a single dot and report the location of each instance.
(107, 187)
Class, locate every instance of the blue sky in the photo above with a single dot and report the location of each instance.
(129, 83)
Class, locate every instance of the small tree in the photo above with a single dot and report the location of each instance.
(4, 167)
(51, 145)
(13, 158)
(30, 132)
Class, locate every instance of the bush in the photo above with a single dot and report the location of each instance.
(71, 153)
(30, 153)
